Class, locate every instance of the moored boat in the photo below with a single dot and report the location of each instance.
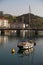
(26, 44)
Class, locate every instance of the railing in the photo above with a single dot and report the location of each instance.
(20, 29)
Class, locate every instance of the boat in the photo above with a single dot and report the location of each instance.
(29, 43)
(26, 44)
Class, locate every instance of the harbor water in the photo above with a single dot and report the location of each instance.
(33, 56)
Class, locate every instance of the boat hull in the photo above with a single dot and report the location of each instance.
(25, 47)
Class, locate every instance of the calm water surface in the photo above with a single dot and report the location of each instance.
(32, 56)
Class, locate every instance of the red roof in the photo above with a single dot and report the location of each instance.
(3, 18)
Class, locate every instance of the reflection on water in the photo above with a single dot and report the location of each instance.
(33, 56)
(25, 52)
(26, 56)
(3, 39)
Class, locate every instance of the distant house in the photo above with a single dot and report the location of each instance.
(4, 22)
(16, 25)
(12, 24)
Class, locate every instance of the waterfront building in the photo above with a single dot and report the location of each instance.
(4, 22)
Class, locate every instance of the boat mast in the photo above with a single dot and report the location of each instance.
(29, 15)
(29, 21)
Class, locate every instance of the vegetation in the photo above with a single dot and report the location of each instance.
(9, 17)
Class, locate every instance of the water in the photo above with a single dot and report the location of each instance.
(32, 56)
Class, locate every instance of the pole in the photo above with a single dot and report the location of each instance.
(29, 21)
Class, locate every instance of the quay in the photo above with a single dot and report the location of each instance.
(20, 29)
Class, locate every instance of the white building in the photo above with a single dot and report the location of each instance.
(4, 22)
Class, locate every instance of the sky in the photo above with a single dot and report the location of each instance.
(19, 7)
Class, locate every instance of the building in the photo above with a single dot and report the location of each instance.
(1, 14)
(4, 23)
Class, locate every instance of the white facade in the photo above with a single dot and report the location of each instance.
(23, 25)
(4, 23)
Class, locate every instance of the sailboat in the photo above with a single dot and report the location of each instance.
(27, 44)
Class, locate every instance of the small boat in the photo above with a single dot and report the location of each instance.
(26, 44)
